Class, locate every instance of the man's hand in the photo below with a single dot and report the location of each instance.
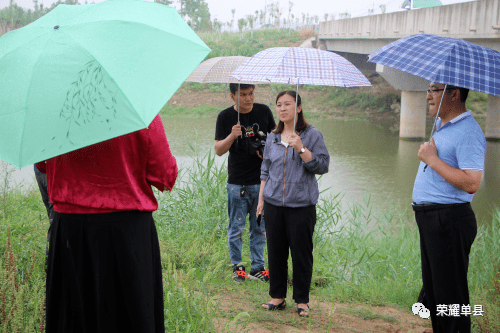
(236, 131)
(467, 180)
(222, 146)
(428, 152)
(258, 154)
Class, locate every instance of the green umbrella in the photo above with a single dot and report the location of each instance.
(84, 74)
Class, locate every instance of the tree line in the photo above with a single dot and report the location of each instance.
(195, 12)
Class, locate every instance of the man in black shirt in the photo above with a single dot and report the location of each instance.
(244, 175)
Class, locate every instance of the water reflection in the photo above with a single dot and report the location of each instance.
(367, 160)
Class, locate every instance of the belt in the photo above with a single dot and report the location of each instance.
(431, 207)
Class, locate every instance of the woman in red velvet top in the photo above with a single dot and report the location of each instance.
(103, 267)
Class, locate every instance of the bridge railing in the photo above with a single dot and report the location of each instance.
(467, 20)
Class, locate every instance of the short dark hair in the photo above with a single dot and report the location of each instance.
(464, 92)
(301, 121)
(233, 87)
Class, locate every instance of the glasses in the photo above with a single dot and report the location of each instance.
(432, 91)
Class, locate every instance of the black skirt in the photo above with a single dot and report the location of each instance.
(104, 274)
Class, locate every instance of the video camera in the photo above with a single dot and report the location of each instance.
(257, 141)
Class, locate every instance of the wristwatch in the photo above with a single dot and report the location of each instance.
(302, 150)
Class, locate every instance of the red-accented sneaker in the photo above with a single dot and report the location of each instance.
(239, 273)
(259, 274)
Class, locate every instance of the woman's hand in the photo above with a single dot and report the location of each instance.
(260, 206)
(295, 142)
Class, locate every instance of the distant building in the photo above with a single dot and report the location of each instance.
(407, 4)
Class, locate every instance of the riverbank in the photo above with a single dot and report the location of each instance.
(379, 104)
(370, 279)
(207, 100)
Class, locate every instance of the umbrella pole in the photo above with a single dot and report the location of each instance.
(238, 102)
(435, 120)
(296, 101)
(437, 115)
(272, 94)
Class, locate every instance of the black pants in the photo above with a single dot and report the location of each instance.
(446, 237)
(104, 274)
(41, 180)
(290, 228)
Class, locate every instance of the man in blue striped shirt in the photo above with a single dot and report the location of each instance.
(450, 173)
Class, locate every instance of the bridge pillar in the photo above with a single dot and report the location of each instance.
(413, 101)
(412, 117)
(493, 118)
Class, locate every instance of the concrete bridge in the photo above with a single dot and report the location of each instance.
(477, 22)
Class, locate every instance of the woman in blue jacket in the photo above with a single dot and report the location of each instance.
(288, 195)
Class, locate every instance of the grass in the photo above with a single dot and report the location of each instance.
(477, 102)
(360, 256)
(198, 111)
(345, 98)
(232, 44)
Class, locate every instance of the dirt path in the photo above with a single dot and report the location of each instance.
(345, 318)
(250, 317)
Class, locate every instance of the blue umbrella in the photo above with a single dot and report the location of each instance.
(449, 61)
(444, 60)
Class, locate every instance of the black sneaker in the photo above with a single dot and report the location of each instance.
(239, 273)
(259, 274)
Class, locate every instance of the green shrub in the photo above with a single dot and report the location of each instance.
(231, 44)
(477, 101)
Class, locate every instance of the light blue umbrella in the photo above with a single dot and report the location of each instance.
(85, 74)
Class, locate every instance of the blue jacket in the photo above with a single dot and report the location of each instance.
(289, 181)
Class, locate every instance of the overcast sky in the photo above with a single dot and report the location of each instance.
(221, 9)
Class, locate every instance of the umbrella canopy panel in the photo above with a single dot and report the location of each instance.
(444, 60)
(290, 65)
(217, 70)
(84, 74)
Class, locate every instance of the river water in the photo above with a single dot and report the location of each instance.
(368, 161)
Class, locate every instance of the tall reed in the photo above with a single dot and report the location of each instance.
(361, 254)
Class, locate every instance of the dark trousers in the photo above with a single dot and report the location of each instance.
(446, 237)
(41, 180)
(104, 274)
(290, 229)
